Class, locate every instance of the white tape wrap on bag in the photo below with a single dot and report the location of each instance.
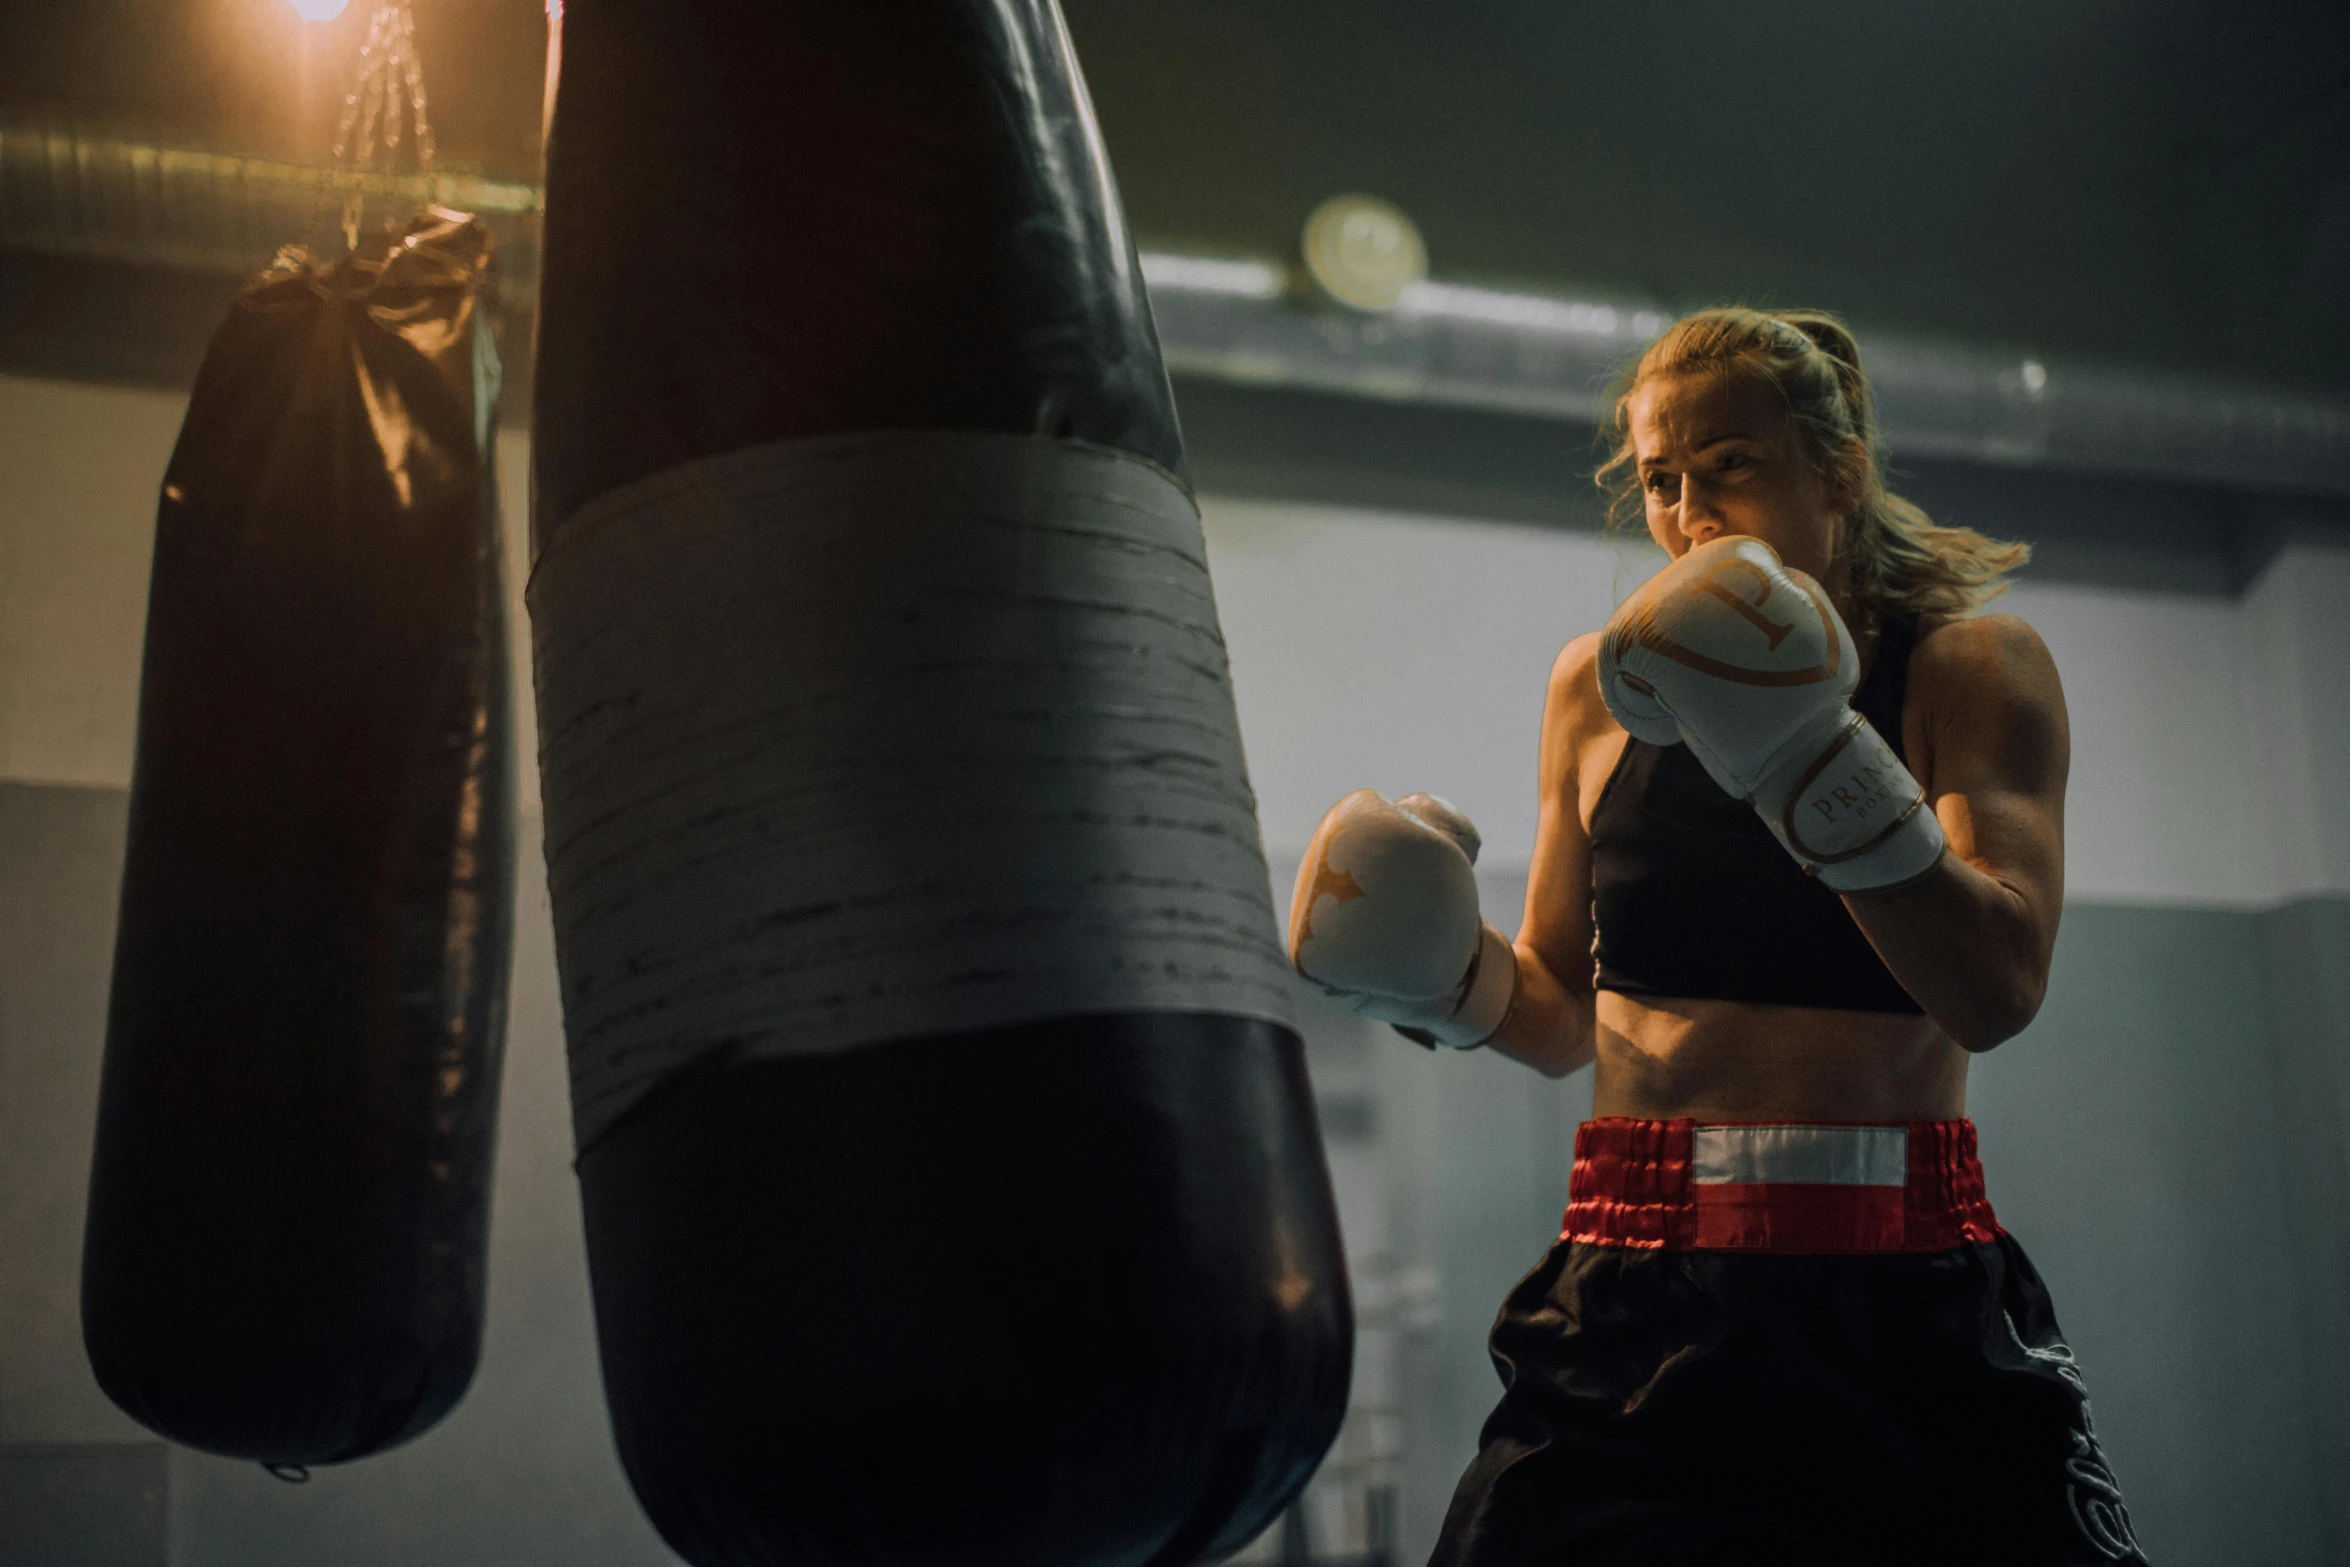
(866, 737)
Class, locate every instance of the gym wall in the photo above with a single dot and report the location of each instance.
(2167, 1139)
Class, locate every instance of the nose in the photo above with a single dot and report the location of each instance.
(1700, 521)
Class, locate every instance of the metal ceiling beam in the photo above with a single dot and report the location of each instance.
(64, 193)
(1547, 356)
(1250, 322)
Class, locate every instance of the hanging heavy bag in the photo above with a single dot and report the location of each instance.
(952, 1185)
(290, 1197)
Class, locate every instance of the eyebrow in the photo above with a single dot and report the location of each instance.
(1704, 446)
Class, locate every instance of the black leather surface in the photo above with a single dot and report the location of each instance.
(290, 1198)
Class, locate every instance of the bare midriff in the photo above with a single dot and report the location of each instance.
(1667, 1059)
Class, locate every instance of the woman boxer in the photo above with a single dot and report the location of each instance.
(1799, 856)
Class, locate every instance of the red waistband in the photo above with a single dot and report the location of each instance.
(1777, 1186)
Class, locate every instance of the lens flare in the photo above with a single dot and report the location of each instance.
(318, 10)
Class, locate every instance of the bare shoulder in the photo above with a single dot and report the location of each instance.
(1574, 685)
(1995, 658)
(1581, 740)
(1984, 691)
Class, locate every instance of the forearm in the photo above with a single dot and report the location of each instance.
(1550, 1026)
(1968, 946)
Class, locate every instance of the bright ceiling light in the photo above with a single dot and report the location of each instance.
(1364, 251)
(318, 10)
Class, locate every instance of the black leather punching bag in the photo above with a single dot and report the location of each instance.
(952, 1185)
(290, 1199)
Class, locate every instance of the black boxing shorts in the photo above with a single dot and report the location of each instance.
(1784, 1343)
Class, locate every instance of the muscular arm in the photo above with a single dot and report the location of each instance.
(1550, 1025)
(1986, 734)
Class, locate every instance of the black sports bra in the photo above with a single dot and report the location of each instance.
(1691, 895)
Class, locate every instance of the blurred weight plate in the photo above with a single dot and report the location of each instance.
(1363, 251)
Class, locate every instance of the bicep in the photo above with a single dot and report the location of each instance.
(1557, 922)
(2000, 752)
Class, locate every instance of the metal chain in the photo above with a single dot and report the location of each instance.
(388, 88)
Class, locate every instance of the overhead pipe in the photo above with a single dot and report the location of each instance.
(1553, 357)
(1251, 322)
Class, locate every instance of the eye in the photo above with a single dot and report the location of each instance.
(1661, 482)
(1734, 462)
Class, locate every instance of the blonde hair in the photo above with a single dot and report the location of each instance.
(1901, 560)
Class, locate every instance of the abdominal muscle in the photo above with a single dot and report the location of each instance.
(1662, 1058)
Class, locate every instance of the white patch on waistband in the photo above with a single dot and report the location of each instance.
(1810, 1155)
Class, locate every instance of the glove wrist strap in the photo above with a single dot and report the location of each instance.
(1491, 985)
(1851, 813)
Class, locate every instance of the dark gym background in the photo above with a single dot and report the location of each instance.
(2099, 255)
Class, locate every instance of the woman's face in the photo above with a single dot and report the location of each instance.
(1719, 455)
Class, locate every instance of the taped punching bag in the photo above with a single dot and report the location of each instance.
(289, 1203)
(952, 1184)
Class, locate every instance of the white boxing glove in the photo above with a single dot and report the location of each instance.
(1385, 920)
(1746, 662)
